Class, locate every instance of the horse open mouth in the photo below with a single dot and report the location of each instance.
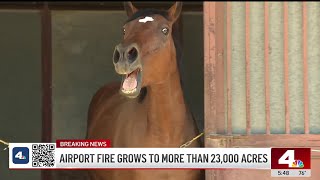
(131, 83)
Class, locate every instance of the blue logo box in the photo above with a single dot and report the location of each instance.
(20, 155)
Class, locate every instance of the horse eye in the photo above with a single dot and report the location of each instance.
(124, 31)
(165, 31)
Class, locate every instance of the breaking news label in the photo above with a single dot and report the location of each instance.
(97, 154)
(290, 162)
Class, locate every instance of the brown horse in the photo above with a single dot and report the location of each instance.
(150, 110)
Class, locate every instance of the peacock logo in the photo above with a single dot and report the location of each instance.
(297, 164)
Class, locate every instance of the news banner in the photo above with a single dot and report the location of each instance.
(98, 154)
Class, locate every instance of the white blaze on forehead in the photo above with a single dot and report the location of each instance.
(146, 19)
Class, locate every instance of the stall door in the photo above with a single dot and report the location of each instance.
(262, 74)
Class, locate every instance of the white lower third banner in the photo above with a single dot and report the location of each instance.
(48, 156)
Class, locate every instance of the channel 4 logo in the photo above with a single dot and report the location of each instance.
(290, 158)
(20, 155)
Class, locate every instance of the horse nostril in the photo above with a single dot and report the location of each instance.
(132, 54)
(116, 56)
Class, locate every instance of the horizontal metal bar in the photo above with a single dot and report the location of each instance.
(110, 5)
(269, 140)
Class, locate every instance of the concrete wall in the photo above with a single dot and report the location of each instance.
(193, 64)
(83, 44)
(20, 85)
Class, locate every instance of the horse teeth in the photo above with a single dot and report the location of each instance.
(129, 91)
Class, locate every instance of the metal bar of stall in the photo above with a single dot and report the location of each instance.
(229, 51)
(95, 6)
(209, 66)
(247, 26)
(219, 60)
(266, 60)
(46, 58)
(286, 66)
(305, 66)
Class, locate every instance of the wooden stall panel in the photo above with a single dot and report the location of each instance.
(266, 68)
(267, 59)
(272, 80)
(313, 33)
(295, 60)
(305, 67)
(228, 102)
(286, 66)
(257, 68)
(214, 67)
(238, 68)
(276, 65)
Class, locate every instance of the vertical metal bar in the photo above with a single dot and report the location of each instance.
(305, 67)
(214, 90)
(229, 52)
(248, 127)
(46, 74)
(209, 66)
(286, 66)
(46, 79)
(206, 10)
(212, 66)
(209, 75)
(266, 60)
(219, 58)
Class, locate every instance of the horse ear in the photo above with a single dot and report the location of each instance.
(174, 11)
(130, 9)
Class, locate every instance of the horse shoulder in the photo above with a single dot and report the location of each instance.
(102, 95)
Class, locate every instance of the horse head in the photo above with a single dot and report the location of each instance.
(147, 54)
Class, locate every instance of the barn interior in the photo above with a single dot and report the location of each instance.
(55, 56)
(52, 62)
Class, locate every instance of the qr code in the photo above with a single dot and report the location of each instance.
(43, 155)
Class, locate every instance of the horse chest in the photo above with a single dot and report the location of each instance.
(129, 126)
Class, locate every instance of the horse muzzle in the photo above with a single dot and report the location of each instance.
(126, 62)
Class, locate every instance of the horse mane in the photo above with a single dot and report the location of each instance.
(176, 39)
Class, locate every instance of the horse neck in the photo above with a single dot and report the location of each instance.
(167, 112)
